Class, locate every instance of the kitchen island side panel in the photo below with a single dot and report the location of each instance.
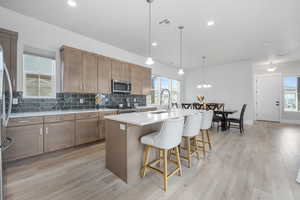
(116, 149)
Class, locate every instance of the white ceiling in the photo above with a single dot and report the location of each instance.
(242, 27)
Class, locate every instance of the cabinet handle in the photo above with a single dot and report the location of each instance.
(46, 130)
(41, 131)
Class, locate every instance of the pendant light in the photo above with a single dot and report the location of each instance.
(203, 84)
(149, 60)
(180, 70)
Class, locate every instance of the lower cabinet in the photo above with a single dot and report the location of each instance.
(27, 141)
(59, 135)
(87, 130)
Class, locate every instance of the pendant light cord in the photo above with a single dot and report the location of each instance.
(180, 61)
(149, 34)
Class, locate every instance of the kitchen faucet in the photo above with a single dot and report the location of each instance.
(169, 96)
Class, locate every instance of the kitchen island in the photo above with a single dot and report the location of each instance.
(124, 152)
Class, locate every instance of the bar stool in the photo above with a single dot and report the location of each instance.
(207, 117)
(191, 129)
(168, 138)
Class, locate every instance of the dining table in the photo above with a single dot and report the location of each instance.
(224, 114)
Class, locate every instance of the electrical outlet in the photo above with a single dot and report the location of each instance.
(134, 99)
(15, 101)
(81, 101)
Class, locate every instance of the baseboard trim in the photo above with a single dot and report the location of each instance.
(249, 122)
(290, 121)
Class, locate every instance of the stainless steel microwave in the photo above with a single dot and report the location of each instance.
(121, 86)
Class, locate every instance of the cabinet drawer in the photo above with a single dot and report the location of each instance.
(25, 121)
(86, 115)
(59, 118)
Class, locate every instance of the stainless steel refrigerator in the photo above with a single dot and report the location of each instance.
(5, 110)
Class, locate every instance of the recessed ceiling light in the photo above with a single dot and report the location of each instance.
(154, 44)
(210, 23)
(72, 3)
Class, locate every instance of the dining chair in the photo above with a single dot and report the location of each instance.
(198, 106)
(219, 118)
(186, 106)
(167, 138)
(238, 122)
(211, 106)
(175, 105)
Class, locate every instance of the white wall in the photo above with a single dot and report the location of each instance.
(285, 69)
(48, 37)
(232, 85)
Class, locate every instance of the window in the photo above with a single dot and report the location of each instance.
(291, 86)
(39, 76)
(159, 83)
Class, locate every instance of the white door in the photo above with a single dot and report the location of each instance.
(268, 89)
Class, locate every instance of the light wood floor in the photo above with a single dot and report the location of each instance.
(261, 165)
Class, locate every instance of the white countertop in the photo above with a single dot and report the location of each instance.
(145, 118)
(63, 112)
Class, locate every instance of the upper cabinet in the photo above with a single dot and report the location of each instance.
(90, 73)
(120, 70)
(84, 72)
(71, 69)
(147, 73)
(79, 71)
(8, 41)
(104, 75)
(140, 80)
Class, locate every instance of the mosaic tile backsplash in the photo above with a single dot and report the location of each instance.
(71, 101)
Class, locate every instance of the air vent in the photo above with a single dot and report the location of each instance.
(164, 22)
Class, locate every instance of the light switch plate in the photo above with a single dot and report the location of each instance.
(81, 101)
(15, 101)
(122, 127)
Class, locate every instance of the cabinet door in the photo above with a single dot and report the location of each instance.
(136, 80)
(59, 135)
(125, 72)
(116, 70)
(147, 81)
(72, 64)
(87, 131)
(28, 141)
(8, 41)
(104, 75)
(90, 72)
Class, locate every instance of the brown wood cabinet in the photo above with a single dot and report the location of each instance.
(147, 72)
(87, 130)
(59, 135)
(120, 71)
(104, 75)
(136, 80)
(140, 80)
(8, 41)
(90, 73)
(71, 69)
(27, 141)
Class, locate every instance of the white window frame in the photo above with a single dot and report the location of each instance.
(169, 87)
(53, 76)
(284, 92)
